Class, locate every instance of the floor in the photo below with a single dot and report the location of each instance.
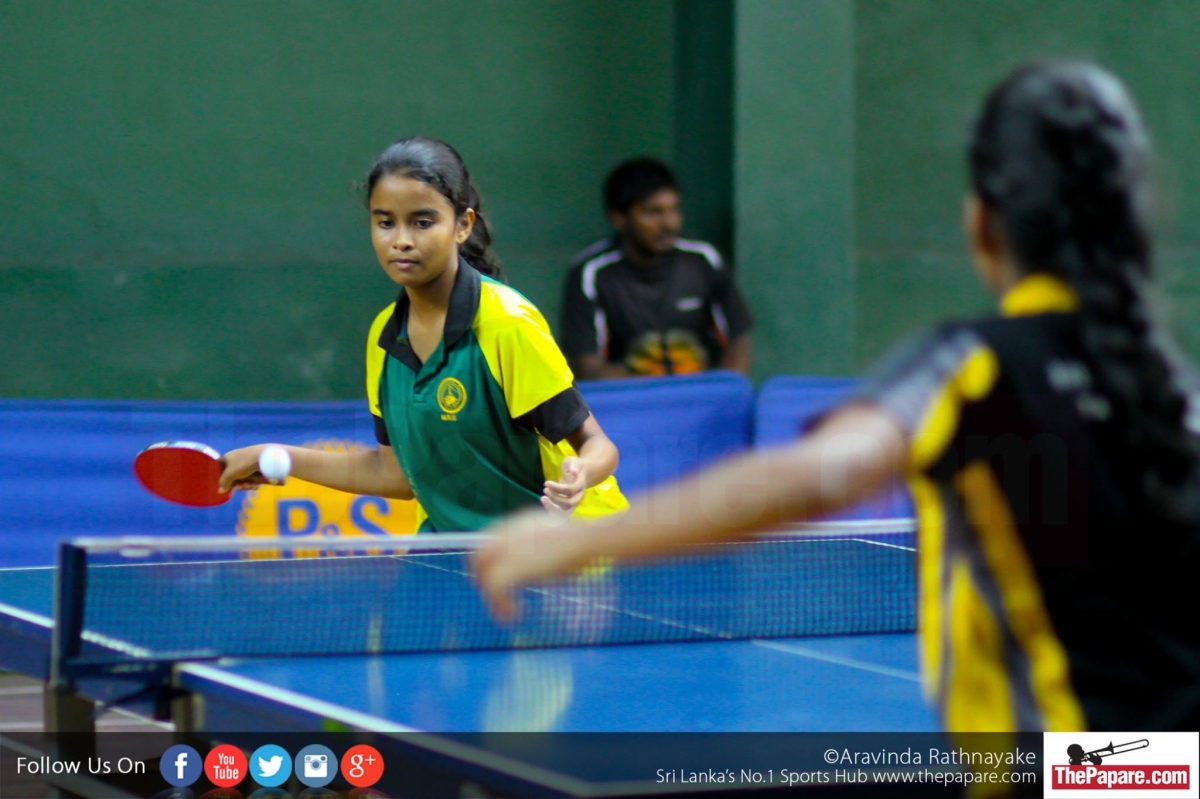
(21, 711)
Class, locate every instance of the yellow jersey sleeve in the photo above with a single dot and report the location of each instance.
(599, 500)
(530, 368)
(520, 351)
(375, 358)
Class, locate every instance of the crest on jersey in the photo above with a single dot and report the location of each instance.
(451, 395)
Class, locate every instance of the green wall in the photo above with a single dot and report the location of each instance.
(851, 121)
(793, 177)
(177, 216)
(922, 67)
(704, 138)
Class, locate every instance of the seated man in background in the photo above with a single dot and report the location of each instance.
(646, 302)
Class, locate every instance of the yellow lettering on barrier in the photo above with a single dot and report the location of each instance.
(299, 509)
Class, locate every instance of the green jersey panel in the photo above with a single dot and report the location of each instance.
(466, 459)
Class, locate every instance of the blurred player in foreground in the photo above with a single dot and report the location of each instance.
(476, 413)
(1054, 476)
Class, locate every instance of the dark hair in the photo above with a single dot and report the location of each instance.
(634, 181)
(434, 162)
(1060, 159)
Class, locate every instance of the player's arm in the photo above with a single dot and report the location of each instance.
(856, 452)
(373, 472)
(592, 366)
(596, 451)
(732, 319)
(736, 355)
(595, 461)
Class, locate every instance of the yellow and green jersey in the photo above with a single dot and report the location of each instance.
(481, 425)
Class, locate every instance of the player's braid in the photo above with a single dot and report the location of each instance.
(478, 248)
(1060, 154)
(1106, 257)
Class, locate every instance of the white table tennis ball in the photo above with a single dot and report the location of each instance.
(275, 463)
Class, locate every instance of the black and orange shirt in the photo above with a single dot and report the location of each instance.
(1047, 601)
(670, 319)
(481, 424)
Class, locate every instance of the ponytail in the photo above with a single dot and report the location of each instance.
(1060, 157)
(477, 249)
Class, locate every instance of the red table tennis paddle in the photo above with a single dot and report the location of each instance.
(184, 472)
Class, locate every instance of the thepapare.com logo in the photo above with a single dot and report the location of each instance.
(1122, 764)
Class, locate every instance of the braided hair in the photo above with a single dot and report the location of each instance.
(434, 162)
(1059, 157)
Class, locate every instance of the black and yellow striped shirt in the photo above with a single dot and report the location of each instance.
(1048, 600)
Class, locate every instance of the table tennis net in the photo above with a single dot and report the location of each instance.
(257, 598)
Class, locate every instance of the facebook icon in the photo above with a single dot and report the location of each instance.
(181, 765)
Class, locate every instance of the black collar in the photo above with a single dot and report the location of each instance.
(464, 303)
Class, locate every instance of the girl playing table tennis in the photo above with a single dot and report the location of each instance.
(1054, 475)
(476, 414)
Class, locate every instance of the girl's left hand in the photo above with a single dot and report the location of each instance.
(562, 497)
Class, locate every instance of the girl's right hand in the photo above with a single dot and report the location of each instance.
(241, 469)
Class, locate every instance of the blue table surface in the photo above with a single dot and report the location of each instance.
(840, 683)
(820, 683)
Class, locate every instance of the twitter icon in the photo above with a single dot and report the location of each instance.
(270, 766)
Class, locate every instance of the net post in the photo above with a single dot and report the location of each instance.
(64, 711)
(70, 584)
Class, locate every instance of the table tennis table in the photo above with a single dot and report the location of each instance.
(448, 707)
